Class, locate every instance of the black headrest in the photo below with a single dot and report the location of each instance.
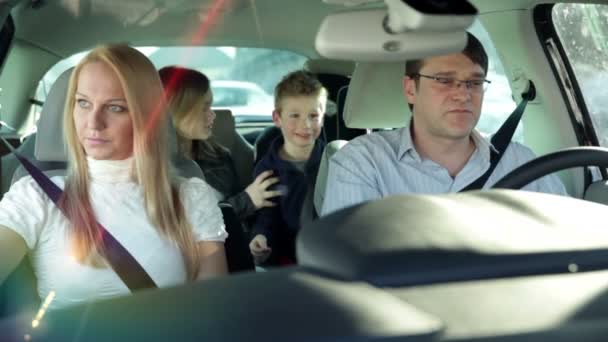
(263, 141)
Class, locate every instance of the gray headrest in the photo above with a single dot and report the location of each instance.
(49, 135)
(375, 96)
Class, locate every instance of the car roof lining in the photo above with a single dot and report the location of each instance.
(168, 23)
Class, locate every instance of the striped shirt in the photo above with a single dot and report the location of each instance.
(386, 163)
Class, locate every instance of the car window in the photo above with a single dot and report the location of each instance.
(582, 30)
(243, 79)
(498, 102)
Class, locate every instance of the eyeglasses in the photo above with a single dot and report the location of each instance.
(478, 85)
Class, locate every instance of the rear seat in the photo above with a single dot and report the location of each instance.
(224, 132)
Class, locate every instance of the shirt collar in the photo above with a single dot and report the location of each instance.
(482, 143)
(406, 144)
(111, 171)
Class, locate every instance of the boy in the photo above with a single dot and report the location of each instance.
(294, 158)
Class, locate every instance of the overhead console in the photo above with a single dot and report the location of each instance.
(400, 30)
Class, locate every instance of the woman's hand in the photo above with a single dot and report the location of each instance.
(258, 190)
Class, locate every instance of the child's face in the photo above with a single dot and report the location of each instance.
(300, 119)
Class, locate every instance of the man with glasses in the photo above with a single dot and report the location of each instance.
(441, 151)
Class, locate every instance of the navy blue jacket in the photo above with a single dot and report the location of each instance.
(281, 223)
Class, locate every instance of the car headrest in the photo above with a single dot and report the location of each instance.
(409, 240)
(49, 134)
(264, 140)
(224, 128)
(330, 66)
(375, 97)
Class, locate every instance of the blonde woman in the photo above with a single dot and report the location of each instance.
(190, 97)
(118, 174)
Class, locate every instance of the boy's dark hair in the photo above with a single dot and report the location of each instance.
(474, 51)
(298, 83)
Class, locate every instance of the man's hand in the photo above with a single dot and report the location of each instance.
(259, 249)
(258, 190)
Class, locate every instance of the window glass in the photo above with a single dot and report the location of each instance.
(243, 79)
(583, 32)
(498, 102)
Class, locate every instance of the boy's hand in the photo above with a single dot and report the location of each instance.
(258, 190)
(259, 249)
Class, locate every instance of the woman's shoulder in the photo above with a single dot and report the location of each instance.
(200, 206)
(27, 185)
(195, 189)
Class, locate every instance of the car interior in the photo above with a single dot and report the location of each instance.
(493, 265)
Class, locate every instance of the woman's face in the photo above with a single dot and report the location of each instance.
(198, 126)
(101, 114)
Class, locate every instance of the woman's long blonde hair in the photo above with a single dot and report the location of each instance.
(185, 90)
(144, 94)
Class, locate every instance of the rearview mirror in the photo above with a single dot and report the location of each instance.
(399, 33)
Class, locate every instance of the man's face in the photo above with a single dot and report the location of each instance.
(440, 110)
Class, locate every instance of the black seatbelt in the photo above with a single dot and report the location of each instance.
(119, 258)
(502, 138)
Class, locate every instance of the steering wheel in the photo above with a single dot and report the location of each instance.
(553, 162)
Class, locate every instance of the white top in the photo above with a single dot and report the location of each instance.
(117, 202)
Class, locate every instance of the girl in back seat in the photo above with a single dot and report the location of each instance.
(190, 97)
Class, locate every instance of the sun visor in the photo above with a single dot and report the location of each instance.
(375, 97)
(364, 36)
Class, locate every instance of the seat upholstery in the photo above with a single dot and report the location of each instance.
(321, 183)
(335, 127)
(375, 97)
(224, 132)
(263, 141)
(238, 256)
(49, 148)
(597, 192)
(10, 162)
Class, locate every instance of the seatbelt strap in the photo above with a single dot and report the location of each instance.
(119, 258)
(501, 140)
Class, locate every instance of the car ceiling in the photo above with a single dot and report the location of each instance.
(285, 24)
